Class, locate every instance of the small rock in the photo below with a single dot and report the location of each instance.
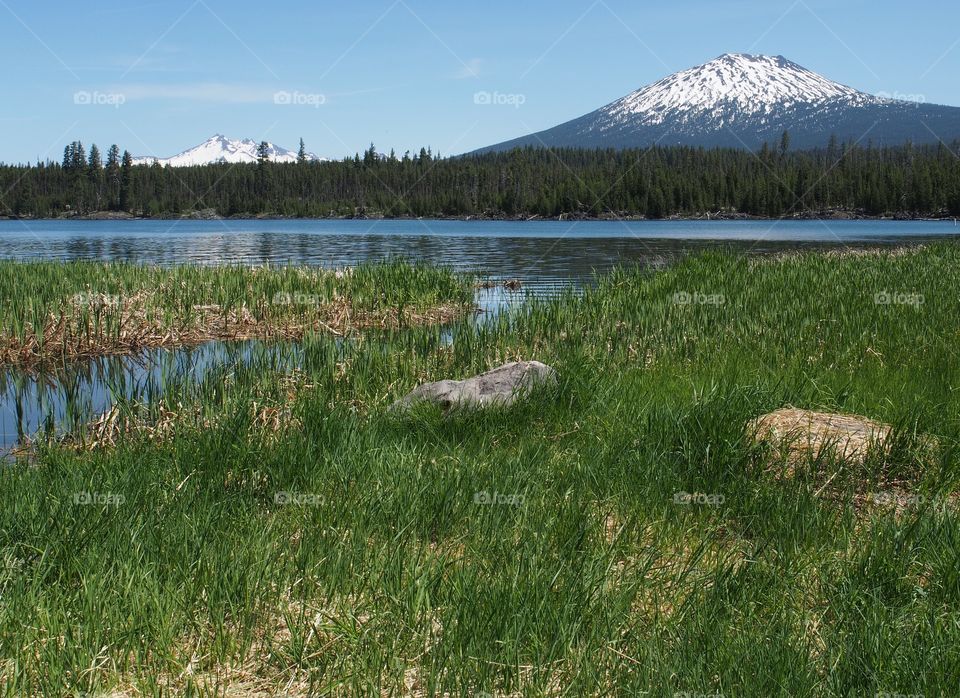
(204, 214)
(502, 386)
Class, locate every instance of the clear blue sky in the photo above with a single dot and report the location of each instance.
(163, 76)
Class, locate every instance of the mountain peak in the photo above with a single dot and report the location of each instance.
(742, 100)
(755, 57)
(738, 83)
(752, 60)
(218, 149)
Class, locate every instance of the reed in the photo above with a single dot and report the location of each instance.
(55, 311)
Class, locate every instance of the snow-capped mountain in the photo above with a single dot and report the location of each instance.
(219, 148)
(733, 86)
(743, 100)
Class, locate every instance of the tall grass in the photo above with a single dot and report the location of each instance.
(54, 310)
(537, 550)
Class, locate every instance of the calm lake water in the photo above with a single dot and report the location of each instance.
(543, 255)
(548, 250)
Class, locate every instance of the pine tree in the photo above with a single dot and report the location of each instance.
(95, 164)
(78, 161)
(126, 181)
(113, 156)
(833, 147)
(784, 143)
(765, 152)
(263, 163)
(302, 153)
(95, 176)
(113, 176)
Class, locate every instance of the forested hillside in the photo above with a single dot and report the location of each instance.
(655, 182)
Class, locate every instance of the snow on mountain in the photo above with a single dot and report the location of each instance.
(219, 148)
(729, 87)
(742, 100)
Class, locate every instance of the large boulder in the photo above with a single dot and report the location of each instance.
(500, 386)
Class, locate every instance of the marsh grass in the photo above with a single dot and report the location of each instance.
(52, 311)
(379, 570)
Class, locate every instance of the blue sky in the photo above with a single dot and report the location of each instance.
(158, 77)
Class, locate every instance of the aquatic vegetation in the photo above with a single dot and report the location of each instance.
(619, 533)
(54, 311)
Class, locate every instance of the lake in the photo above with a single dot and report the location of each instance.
(534, 250)
(543, 255)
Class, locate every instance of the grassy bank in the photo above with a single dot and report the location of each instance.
(332, 548)
(55, 310)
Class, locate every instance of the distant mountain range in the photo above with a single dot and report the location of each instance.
(218, 149)
(742, 101)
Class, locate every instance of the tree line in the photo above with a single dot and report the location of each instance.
(654, 182)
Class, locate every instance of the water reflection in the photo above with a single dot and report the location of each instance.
(53, 400)
(548, 251)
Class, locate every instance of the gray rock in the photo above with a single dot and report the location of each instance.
(501, 386)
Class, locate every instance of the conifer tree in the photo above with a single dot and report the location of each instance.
(113, 156)
(263, 163)
(126, 181)
(113, 176)
(784, 143)
(95, 176)
(95, 163)
(78, 160)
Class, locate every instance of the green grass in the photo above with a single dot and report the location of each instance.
(383, 573)
(53, 310)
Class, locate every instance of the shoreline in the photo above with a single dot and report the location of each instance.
(725, 217)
